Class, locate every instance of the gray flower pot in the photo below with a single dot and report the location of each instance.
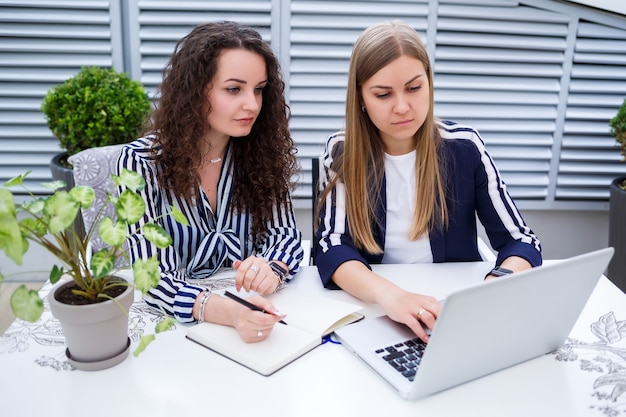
(96, 334)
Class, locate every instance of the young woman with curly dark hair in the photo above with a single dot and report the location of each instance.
(219, 149)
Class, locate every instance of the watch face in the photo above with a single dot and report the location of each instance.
(279, 270)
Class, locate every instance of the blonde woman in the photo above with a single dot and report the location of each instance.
(401, 186)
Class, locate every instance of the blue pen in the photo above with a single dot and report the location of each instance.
(248, 304)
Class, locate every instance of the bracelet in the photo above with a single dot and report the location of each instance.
(206, 294)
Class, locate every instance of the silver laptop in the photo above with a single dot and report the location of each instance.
(481, 329)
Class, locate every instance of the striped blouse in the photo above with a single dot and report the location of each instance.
(211, 240)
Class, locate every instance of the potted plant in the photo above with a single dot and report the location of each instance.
(93, 285)
(94, 108)
(617, 207)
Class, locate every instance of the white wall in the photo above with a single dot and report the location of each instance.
(569, 233)
(615, 6)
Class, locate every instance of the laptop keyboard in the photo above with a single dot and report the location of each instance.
(404, 357)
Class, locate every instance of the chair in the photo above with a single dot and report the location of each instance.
(485, 251)
(93, 167)
(315, 193)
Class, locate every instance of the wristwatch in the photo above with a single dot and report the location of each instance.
(498, 271)
(281, 273)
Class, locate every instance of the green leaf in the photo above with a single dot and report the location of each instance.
(26, 304)
(157, 235)
(146, 274)
(102, 263)
(84, 194)
(112, 234)
(130, 180)
(165, 324)
(7, 206)
(31, 225)
(11, 241)
(143, 344)
(35, 206)
(130, 207)
(62, 210)
(54, 185)
(179, 216)
(55, 274)
(19, 180)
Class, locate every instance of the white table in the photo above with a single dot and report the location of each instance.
(176, 377)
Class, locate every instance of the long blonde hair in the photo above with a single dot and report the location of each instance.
(362, 166)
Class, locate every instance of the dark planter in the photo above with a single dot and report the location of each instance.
(617, 234)
(61, 172)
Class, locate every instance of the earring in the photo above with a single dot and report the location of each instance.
(363, 109)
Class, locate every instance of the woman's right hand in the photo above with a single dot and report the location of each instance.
(402, 306)
(255, 326)
(414, 310)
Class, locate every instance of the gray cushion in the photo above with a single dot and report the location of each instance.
(93, 167)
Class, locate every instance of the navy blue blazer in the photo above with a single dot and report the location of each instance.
(474, 188)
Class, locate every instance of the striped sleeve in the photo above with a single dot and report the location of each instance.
(173, 294)
(335, 245)
(508, 234)
(283, 239)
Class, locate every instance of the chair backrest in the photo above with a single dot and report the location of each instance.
(316, 165)
(93, 167)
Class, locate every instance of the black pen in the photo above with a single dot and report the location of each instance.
(248, 304)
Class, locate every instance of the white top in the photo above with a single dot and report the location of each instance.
(400, 187)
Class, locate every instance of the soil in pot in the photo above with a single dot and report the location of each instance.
(65, 295)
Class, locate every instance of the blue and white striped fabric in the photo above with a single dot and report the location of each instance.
(211, 240)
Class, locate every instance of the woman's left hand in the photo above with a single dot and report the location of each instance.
(255, 274)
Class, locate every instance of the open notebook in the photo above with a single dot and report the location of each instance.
(309, 319)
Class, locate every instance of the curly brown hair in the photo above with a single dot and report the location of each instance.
(265, 163)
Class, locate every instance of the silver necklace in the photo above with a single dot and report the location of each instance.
(215, 160)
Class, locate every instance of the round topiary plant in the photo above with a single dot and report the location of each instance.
(96, 107)
(618, 130)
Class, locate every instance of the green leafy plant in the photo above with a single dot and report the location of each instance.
(96, 107)
(48, 221)
(618, 130)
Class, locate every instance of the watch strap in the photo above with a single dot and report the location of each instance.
(499, 271)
